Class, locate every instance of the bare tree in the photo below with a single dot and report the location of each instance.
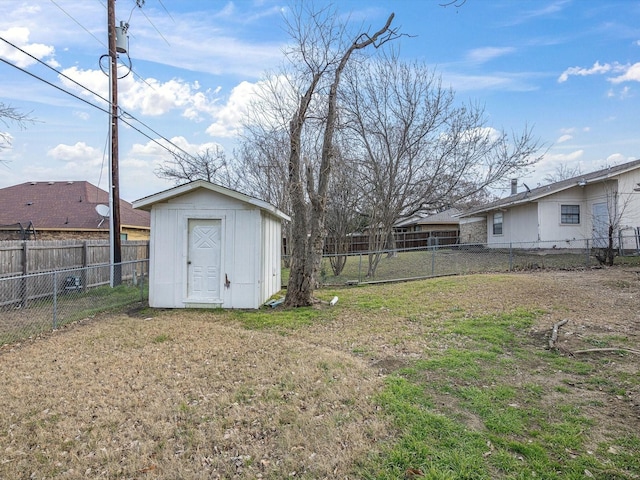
(322, 49)
(343, 215)
(262, 171)
(10, 115)
(418, 150)
(608, 221)
(562, 172)
(210, 165)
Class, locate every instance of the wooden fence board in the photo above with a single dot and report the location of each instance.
(19, 257)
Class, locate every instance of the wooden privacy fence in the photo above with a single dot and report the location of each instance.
(19, 257)
(359, 243)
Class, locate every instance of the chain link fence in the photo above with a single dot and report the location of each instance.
(40, 302)
(441, 260)
(36, 303)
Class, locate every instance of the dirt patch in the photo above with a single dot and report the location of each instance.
(191, 394)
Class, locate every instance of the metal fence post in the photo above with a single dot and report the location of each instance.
(360, 269)
(140, 280)
(24, 289)
(433, 261)
(510, 256)
(586, 251)
(55, 300)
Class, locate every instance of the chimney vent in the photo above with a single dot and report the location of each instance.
(514, 186)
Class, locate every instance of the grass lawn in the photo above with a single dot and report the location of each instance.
(446, 378)
(455, 261)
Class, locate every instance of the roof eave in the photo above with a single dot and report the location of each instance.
(147, 203)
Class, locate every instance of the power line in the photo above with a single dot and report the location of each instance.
(54, 69)
(107, 111)
(54, 86)
(156, 28)
(165, 9)
(100, 41)
(78, 23)
(122, 112)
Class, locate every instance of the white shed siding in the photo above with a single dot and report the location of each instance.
(271, 254)
(245, 286)
(249, 251)
(238, 246)
(163, 257)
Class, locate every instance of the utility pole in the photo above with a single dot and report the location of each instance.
(116, 244)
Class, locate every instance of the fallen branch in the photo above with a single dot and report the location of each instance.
(554, 333)
(612, 349)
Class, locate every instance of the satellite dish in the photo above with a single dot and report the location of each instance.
(103, 210)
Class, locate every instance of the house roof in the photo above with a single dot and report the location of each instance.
(441, 218)
(147, 202)
(534, 194)
(63, 206)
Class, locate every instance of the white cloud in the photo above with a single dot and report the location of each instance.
(81, 115)
(228, 10)
(552, 159)
(631, 74)
(485, 54)
(149, 97)
(157, 148)
(6, 140)
(211, 40)
(502, 82)
(94, 80)
(143, 159)
(596, 69)
(80, 152)
(73, 162)
(19, 36)
(156, 98)
(625, 92)
(230, 117)
(564, 138)
(627, 72)
(617, 158)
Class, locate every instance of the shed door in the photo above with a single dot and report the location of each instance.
(600, 217)
(203, 261)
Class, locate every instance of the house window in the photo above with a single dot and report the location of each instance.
(570, 214)
(497, 223)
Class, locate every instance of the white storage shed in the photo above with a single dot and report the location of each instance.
(212, 247)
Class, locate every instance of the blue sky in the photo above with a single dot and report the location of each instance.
(568, 68)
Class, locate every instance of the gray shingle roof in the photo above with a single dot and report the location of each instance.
(543, 191)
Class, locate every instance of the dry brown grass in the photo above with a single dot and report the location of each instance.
(193, 394)
(182, 395)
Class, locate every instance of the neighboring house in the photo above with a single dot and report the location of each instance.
(442, 225)
(64, 210)
(565, 214)
(212, 247)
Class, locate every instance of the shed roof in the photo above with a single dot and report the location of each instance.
(66, 205)
(146, 203)
(534, 194)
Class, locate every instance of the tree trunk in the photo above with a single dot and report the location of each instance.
(307, 251)
(300, 286)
